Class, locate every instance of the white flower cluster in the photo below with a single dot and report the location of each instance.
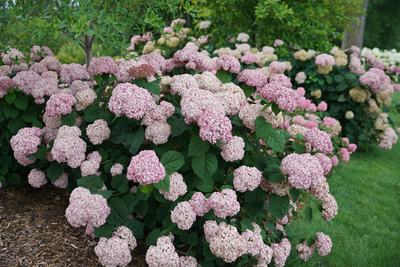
(389, 58)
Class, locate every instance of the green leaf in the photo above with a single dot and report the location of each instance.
(120, 183)
(130, 200)
(15, 125)
(91, 182)
(273, 174)
(263, 128)
(40, 153)
(206, 185)
(10, 112)
(248, 91)
(336, 107)
(152, 237)
(167, 223)
(308, 213)
(300, 137)
(362, 137)
(153, 87)
(146, 188)
(30, 115)
(253, 209)
(92, 113)
(140, 82)
(342, 86)
(279, 206)
(246, 224)
(119, 211)
(15, 178)
(172, 161)
(256, 195)
(205, 165)
(136, 227)
(178, 125)
(275, 141)
(134, 141)
(197, 146)
(294, 193)
(275, 108)
(120, 131)
(163, 184)
(193, 239)
(21, 102)
(342, 98)
(298, 148)
(10, 98)
(104, 230)
(69, 119)
(106, 193)
(4, 170)
(224, 76)
(150, 221)
(208, 254)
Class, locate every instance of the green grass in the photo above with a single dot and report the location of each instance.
(366, 231)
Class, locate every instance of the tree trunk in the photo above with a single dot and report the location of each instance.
(355, 35)
(89, 54)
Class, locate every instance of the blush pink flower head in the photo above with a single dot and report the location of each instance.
(228, 62)
(145, 168)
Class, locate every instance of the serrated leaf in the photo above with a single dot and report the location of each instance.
(119, 211)
(54, 171)
(300, 137)
(172, 161)
(91, 182)
(30, 115)
(298, 148)
(21, 102)
(197, 146)
(104, 230)
(246, 224)
(263, 128)
(92, 113)
(271, 226)
(153, 87)
(136, 227)
(68, 119)
(205, 166)
(146, 189)
(308, 213)
(275, 108)
(152, 237)
(294, 193)
(273, 174)
(106, 193)
(15, 125)
(192, 239)
(248, 91)
(134, 141)
(253, 209)
(224, 76)
(10, 98)
(279, 205)
(120, 183)
(178, 125)
(163, 184)
(275, 141)
(120, 130)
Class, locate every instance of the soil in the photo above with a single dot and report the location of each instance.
(35, 232)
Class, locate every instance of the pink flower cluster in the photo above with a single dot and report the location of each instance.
(51, 63)
(145, 168)
(200, 204)
(285, 98)
(37, 178)
(38, 68)
(86, 209)
(224, 203)
(141, 70)
(324, 243)
(183, 215)
(91, 165)
(113, 252)
(59, 104)
(208, 81)
(158, 132)
(72, 72)
(277, 67)
(69, 147)
(252, 78)
(376, 79)
(182, 82)
(177, 187)
(5, 84)
(155, 60)
(131, 100)
(320, 140)
(25, 81)
(126, 234)
(158, 113)
(214, 127)
(303, 170)
(228, 62)
(248, 58)
(281, 252)
(98, 132)
(233, 150)
(192, 59)
(45, 86)
(324, 59)
(116, 169)
(24, 143)
(85, 98)
(163, 254)
(102, 65)
(37, 53)
(62, 181)
(226, 242)
(195, 101)
(330, 208)
(305, 251)
(246, 178)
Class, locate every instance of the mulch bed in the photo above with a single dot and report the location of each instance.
(35, 232)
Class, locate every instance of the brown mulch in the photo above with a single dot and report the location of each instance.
(35, 232)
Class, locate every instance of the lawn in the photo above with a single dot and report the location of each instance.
(366, 230)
